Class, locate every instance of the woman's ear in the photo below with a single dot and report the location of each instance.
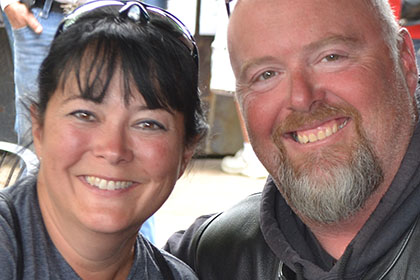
(37, 129)
(188, 153)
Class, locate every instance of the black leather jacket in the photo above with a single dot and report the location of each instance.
(231, 246)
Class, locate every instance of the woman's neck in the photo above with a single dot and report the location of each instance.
(91, 255)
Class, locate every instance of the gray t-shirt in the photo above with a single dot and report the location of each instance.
(41, 258)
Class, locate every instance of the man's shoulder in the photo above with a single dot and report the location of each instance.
(231, 245)
(401, 261)
(242, 219)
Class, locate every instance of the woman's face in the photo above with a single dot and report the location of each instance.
(107, 166)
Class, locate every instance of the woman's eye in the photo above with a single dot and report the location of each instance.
(150, 125)
(84, 116)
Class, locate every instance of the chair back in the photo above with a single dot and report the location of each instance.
(15, 162)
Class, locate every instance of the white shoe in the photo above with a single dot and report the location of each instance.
(244, 163)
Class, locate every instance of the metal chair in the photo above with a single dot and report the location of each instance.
(15, 161)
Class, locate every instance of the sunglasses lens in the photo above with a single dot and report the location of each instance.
(229, 6)
(187, 39)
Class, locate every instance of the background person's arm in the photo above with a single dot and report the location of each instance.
(20, 16)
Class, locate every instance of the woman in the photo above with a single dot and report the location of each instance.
(117, 122)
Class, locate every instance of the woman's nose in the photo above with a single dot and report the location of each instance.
(113, 145)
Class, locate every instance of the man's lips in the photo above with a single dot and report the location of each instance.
(318, 132)
(322, 122)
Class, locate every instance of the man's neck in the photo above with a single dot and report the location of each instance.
(335, 238)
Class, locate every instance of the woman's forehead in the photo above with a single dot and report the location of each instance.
(99, 88)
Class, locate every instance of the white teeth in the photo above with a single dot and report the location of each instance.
(320, 135)
(302, 139)
(328, 132)
(342, 125)
(107, 185)
(312, 138)
(334, 128)
(103, 184)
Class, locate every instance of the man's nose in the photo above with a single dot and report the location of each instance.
(113, 145)
(302, 92)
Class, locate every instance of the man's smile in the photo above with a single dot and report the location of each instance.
(319, 133)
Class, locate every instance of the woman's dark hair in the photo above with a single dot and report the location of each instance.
(150, 56)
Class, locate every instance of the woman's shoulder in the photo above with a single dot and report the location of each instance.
(22, 190)
(21, 196)
(11, 252)
(180, 269)
(161, 262)
(23, 187)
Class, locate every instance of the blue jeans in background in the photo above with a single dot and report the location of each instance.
(30, 49)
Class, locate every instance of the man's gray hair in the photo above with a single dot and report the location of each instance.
(390, 28)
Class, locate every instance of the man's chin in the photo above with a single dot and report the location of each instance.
(319, 162)
(329, 187)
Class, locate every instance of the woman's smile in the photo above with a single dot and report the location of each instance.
(109, 185)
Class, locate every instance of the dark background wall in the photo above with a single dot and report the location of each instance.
(7, 105)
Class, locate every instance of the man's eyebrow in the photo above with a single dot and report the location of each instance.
(333, 39)
(255, 62)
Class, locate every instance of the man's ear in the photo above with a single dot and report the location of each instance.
(408, 60)
(37, 130)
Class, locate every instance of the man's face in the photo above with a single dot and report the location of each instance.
(319, 90)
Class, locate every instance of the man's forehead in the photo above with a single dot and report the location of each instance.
(312, 24)
(256, 5)
(300, 15)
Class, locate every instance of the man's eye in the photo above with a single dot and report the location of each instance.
(84, 116)
(267, 75)
(332, 57)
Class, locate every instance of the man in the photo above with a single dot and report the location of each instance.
(328, 94)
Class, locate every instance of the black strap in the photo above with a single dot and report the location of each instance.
(162, 264)
(16, 228)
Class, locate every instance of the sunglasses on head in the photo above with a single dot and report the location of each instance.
(228, 6)
(138, 12)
